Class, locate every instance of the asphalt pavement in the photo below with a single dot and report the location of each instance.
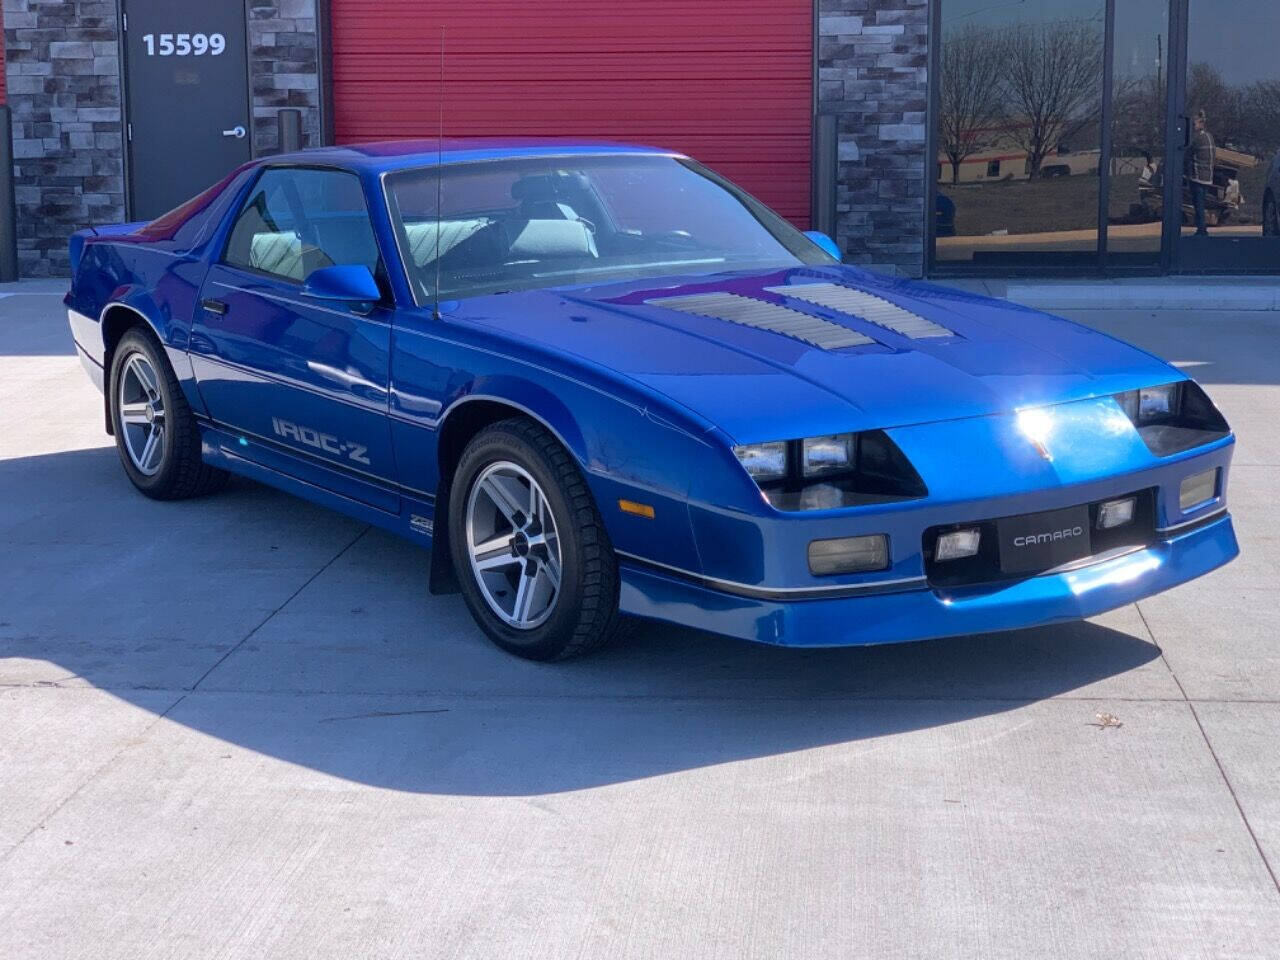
(239, 727)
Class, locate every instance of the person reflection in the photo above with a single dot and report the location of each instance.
(1200, 162)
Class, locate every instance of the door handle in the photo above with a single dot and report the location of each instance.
(214, 306)
(237, 131)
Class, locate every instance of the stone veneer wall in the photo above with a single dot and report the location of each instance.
(284, 57)
(873, 73)
(62, 70)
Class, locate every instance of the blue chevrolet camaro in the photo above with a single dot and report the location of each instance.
(601, 381)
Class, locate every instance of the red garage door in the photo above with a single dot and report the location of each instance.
(726, 81)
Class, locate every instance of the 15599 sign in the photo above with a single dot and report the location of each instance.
(184, 44)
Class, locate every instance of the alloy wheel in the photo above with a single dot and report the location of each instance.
(142, 415)
(513, 545)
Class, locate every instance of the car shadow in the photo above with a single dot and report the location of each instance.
(279, 627)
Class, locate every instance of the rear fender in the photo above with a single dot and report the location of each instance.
(134, 305)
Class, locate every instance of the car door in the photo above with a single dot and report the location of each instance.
(290, 373)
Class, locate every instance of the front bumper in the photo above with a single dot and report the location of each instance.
(923, 613)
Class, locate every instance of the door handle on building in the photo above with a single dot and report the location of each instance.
(237, 131)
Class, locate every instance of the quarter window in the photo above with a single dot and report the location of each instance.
(296, 220)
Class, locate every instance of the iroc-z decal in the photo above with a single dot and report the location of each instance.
(321, 441)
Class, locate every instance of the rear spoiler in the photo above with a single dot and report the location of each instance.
(75, 245)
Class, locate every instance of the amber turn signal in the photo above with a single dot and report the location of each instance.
(636, 509)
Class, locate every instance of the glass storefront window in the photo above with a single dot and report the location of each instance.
(1139, 93)
(1233, 103)
(1018, 130)
(1191, 108)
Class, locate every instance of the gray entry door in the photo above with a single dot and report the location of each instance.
(187, 90)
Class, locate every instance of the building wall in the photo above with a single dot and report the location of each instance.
(63, 78)
(62, 69)
(62, 73)
(873, 74)
(2, 100)
(284, 57)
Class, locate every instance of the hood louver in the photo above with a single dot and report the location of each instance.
(766, 316)
(868, 307)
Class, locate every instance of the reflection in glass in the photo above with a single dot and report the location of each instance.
(1139, 86)
(1233, 100)
(1018, 131)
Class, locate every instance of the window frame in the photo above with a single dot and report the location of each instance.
(243, 202)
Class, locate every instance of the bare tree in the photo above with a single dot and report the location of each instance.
(1053, 84)
(1260, 117)
(972, 63)
(1246, 118)
(1137, 121)
(1208, 91)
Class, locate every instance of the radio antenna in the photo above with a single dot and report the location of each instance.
(439, 173)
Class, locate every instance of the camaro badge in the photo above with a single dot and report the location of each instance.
(1035, 539)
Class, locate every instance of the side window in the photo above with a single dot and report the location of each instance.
(296, 220)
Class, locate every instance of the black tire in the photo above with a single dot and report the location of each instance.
(583, 616)
(180, 472)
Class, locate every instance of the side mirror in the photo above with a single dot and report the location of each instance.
(351, 284)
(826, 243)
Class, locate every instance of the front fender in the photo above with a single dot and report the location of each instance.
(532, 398)
(625, 450)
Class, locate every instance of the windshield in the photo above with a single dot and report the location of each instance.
(522, 224)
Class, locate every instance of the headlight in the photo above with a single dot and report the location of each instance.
(1158, 403)
(764, 461)
(1151, 404)
(829, 454)
(1173, 417)
(831, 472)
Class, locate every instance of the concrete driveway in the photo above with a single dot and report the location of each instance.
(239, 727)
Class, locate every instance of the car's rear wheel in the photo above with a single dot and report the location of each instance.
(1270, 216)
(156, 433)
(530, 551)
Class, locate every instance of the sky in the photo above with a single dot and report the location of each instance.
(1238, 37)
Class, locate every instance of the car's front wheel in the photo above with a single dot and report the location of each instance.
(530, 550)
(156, 433)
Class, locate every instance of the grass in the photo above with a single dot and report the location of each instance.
(1025, 206)
(1067, 203)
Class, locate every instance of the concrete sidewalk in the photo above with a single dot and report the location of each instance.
(239, 727)
(1217, 294)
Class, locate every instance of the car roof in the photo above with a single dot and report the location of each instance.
(379, 157)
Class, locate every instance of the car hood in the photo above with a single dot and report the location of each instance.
(930, 353)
